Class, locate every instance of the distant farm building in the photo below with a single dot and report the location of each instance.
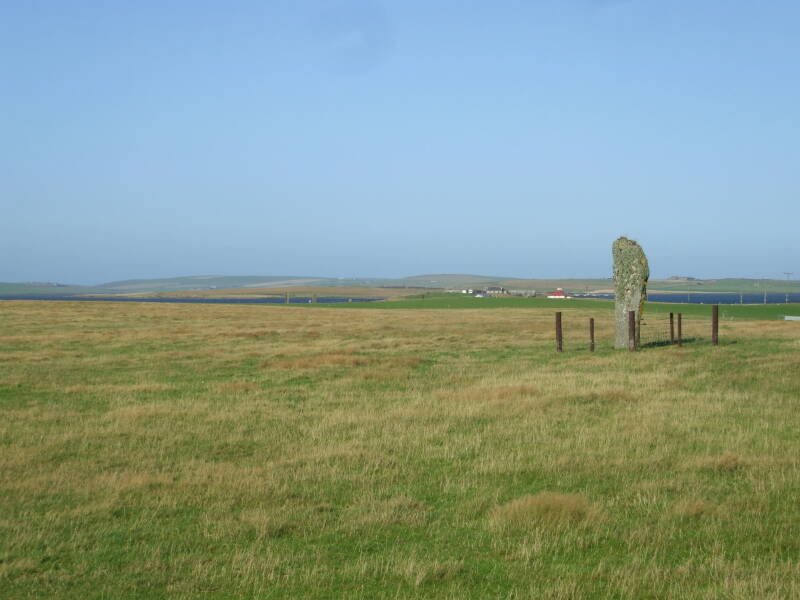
(558, 294)
(496, 291)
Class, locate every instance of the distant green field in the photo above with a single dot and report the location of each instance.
(7, 289)
(745, 286)
(458, 301)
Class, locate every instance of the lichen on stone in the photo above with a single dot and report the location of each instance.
(631, 273)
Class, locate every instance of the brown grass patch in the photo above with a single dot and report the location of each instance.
(497, 394)
(725, 463)
(130, 413)
(256, 334)
(332, 359)
(402, 361)
(510, 392)
(693, 509)
(601, 397)
(543, 508)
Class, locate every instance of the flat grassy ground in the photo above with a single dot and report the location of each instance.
(218, 451)
(580, 306)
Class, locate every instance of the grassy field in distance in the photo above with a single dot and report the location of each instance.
(216, 451)
(438, 301)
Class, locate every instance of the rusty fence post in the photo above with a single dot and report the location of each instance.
(632, 330)
(671, 328)
(715, 325)
(591, 334)
(680, 330)
(559, 336)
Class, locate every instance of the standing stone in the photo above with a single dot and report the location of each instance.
(631, 273)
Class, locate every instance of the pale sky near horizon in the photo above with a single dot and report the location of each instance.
(376, 138)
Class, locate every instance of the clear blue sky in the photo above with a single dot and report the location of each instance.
(377, 138)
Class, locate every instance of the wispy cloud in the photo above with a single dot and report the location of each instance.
(353, 36)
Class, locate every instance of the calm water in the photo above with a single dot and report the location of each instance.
(713, 298)
(299, 300)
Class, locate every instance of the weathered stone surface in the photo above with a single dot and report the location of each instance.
(631, 273)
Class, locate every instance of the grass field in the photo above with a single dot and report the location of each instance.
(459, 301)
(219, 451)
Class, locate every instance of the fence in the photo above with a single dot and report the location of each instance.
(657, 329)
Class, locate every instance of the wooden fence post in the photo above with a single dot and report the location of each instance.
(680, 330)
(715, 325)
(671, 328)
(559, 336)
(591, 334)
(632, 330)
(287, 297)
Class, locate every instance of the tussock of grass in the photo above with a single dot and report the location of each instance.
(543, 508)
(724, 463)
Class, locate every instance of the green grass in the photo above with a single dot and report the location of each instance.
(7, 289)
(746, 286)
(184, 451)
(458, 301)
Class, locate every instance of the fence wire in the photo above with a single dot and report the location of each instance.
(654, 330)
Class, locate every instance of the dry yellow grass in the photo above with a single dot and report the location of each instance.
(272, 451)
(544, 508)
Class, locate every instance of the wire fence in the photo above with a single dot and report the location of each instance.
(579, 333)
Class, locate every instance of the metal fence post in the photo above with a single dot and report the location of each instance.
(680, 330)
